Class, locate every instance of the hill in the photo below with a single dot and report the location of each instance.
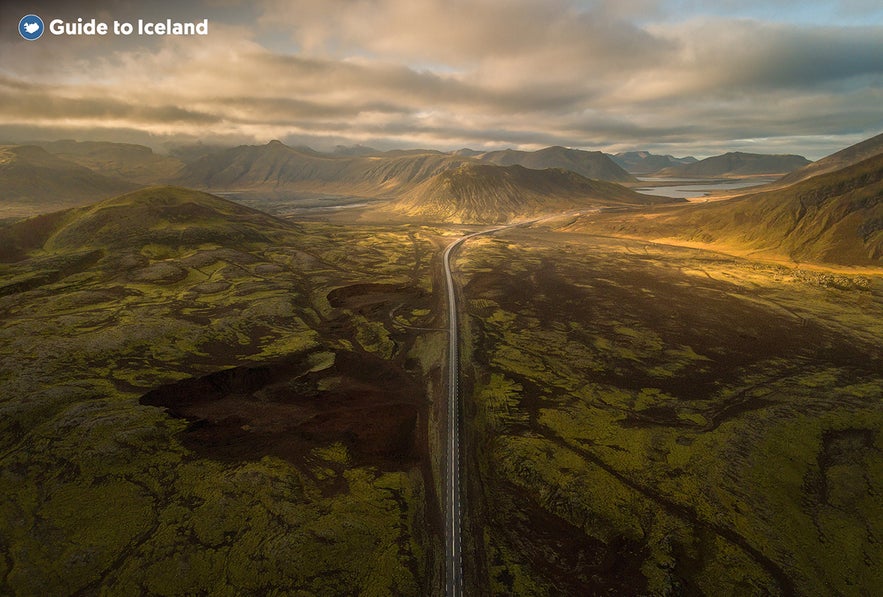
(834, 218)
(836, 161)
(737, 164)
(34, 181)
(129, 162)
(644, 162)
(169, 217)
(591, 164)
(277, 167)
(494, 194)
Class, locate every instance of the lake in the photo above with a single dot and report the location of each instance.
(686, 188)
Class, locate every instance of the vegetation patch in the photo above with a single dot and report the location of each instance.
(710, 426)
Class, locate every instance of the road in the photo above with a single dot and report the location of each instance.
(453, 501)
(453, 494)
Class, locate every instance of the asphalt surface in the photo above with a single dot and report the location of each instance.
(453, 494)
(453, 497)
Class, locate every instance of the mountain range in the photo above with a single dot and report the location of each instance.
(461, 186)
(33, 180)
(126, 161)
(276, 167)
(737, 164)
(835, 217)
(644, 162)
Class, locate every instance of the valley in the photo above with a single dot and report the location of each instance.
(476, 378)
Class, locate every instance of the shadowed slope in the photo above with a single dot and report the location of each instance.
(738, 164)
(644, 162)
(130, 162)
(35, 181)
(277, 167)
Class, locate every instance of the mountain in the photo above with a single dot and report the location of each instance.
(170, 217)
(644, 162)
(129, 162)
(737, 164)
(591, 164)
(484, 193)
(277, 167)
(836, 161)
(832, 218)
(33, 181)
(351, 150)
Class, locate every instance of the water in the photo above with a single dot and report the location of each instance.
(687, 188)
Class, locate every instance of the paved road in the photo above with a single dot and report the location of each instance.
(452, 501)
(453, 495)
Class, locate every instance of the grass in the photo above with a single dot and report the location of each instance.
(710, 424)
(101, 495)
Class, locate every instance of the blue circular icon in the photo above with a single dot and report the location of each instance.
(30, 27)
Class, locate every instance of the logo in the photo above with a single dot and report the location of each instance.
(30, 27)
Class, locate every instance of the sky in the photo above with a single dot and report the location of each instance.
(682, 77)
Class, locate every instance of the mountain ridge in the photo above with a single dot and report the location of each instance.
(644, 162)
(34, 181)
(590, 164)
(837, 160)
(126, 161)
(737, 163)
(487, 193)
(834, 218)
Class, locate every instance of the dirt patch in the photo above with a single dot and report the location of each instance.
(283, 409)
(210, 287)
(159, 273)
(361, 297)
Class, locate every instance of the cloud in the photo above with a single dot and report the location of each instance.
(449, 73)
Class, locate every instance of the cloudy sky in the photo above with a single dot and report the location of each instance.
(671, 76)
